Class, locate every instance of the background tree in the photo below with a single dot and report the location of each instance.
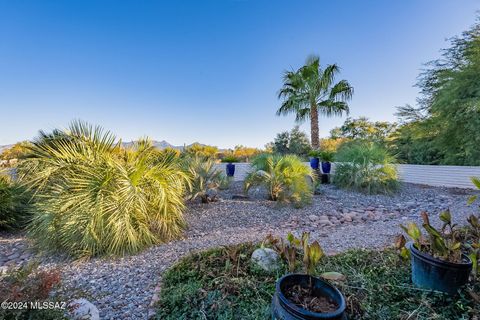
(364, 129)
(445, 127)
(293, 142)
(311, 91)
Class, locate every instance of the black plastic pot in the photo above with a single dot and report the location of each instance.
(435, 274)
(284, 309)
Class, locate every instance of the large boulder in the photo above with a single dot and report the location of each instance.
(266, 259)
(82, 309)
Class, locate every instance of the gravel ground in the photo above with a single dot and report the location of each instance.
(122, 288)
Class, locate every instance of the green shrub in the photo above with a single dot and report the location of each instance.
(286, 178)
(205, 179)
(94, 197)
(365, 167)
(230, 159)
(14, 203)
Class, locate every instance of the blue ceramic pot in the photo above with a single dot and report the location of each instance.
(314, 163)
(435, 274)
(230, 168)
(284, 309)
(326, 167)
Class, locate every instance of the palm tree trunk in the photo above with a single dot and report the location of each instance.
(314, 137)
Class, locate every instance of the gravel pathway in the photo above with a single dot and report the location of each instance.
(122, 288)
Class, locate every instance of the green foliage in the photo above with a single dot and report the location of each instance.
(293, 142)
(221, 284)
(205, 178)
(216, 284)
(366, 167)
(364, 129)
(286, 178)
(230, 159)
(93, 197)
(327, 156)
(444, 128)
(310, 91)
(445, 244)
(14, 203)
(315, 153)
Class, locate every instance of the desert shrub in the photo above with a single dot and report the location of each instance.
(205, 178)
(365, 167)
(30, 284)
(286, 178)
(14, 203)
(94, 197)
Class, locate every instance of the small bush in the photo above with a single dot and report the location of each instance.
(230, 159)
(94, 197)
(205, 179)
(29, 284)
(286, 178)
(365, 167)
(14, 204)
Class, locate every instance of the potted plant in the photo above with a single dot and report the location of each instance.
(314, 159)
(327, 158)
(438, 261)
(230, 167)
(302, 295)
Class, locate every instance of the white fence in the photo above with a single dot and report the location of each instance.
(438, 176)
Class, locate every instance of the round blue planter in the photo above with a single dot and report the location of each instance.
(435, 274)
(284, 309)
(326, 167)
(314, 163)
(230, 168)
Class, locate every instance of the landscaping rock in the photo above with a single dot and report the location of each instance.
(266, 259)
(82, 309)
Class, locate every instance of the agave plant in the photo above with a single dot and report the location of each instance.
(94, 197)
(285, 177)
(205, 178)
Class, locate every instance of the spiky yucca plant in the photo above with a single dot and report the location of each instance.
(286, 178)
(94, 197)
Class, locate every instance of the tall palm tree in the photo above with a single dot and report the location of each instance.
(312, 90)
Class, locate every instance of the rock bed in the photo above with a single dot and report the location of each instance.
(122, 288)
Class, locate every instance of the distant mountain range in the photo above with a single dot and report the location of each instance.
(157, 144)
(4, 147)
(163, 144)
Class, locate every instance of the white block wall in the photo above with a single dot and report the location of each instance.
(438, 176)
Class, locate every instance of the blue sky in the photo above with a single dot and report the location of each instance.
(207, 71)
